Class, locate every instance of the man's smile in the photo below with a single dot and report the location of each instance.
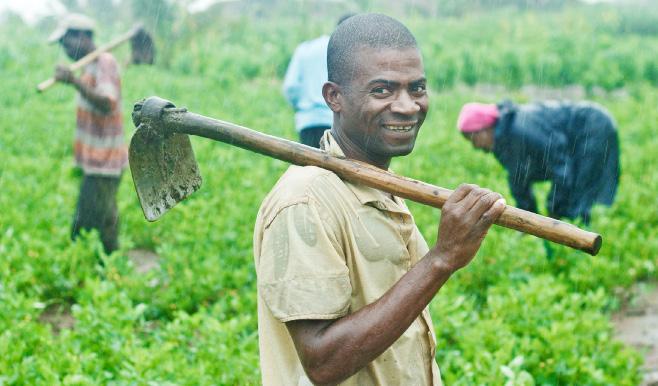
(401, 127)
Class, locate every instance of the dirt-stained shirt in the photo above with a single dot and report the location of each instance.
(99, 145)
(324, 248)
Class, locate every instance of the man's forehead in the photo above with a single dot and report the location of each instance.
(374, 62)
(365, 50)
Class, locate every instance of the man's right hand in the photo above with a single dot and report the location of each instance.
(465, 219)
(64, 74)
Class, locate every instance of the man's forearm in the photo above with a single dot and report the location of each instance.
(344, 346)
(331, 351)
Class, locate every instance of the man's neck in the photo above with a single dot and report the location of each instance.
(355, 152)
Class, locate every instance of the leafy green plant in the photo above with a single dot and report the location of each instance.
(512, 317)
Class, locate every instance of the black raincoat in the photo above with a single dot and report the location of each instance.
(573, 145)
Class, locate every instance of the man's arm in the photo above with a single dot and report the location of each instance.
(101, 102)
(332, 351)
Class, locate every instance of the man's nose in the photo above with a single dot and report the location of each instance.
(405, 104)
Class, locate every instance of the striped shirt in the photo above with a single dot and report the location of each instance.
(99, 141)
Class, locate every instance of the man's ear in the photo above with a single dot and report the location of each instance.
(332, 95)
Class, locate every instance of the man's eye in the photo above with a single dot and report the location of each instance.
(380, 91)
(418, 88)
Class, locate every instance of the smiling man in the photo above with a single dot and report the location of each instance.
(344, 275)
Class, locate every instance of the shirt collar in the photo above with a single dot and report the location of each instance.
(365, 194)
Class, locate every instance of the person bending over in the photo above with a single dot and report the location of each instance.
(573, 145)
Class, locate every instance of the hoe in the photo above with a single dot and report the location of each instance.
(165, 171)
(142, 51)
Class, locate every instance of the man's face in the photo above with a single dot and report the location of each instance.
(384, 105)
(483, 139)
(75, 44)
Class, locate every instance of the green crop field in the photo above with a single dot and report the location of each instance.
(512, 317)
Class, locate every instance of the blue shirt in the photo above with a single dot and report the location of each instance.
(302, 86)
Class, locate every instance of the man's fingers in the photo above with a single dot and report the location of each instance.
(485, 202)
(59, 73)
(63, 73)
(491, 214)
(479, 205)
(475, 197)
(468, 196)
(462, 191)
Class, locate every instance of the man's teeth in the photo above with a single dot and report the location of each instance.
(399, 128)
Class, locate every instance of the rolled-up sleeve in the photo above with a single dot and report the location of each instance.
(302, 273)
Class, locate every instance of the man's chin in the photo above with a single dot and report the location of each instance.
(401, 151)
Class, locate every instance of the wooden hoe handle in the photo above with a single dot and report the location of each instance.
(90, 57)
(179, 120)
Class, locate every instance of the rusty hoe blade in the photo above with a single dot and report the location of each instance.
(162, 162)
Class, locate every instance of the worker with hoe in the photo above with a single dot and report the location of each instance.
(100, 150)
(344, 275)
(573, 145)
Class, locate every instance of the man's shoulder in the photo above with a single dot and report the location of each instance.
(309, 185)
(305, 181)
(107, 61)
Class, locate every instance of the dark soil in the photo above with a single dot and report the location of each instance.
(58, 316)
(144, 260)
(636, 324)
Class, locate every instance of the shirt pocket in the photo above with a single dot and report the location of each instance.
(378, 237)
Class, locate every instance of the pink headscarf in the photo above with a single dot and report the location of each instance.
(476, 116)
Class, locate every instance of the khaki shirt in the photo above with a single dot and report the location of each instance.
(325, 248)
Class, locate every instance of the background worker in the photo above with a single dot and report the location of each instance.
(573, 145)
(344, 275)
(99, 148)
(302, 87)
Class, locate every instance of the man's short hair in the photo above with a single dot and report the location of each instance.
(345, 17)
(364, 30)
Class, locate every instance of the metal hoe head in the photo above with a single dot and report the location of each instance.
(162, 162)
